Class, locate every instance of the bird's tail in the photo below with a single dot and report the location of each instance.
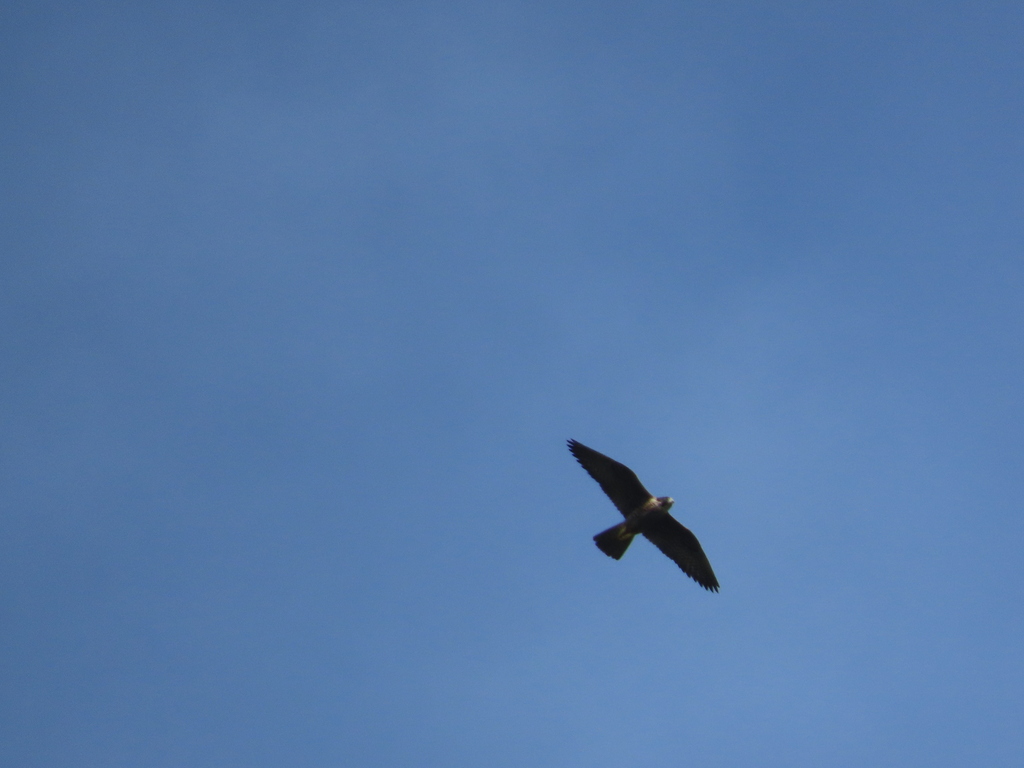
(615, 541)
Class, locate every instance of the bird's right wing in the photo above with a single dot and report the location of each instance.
(618, 481)
(682, 547)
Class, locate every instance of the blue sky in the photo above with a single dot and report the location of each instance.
(301, 302)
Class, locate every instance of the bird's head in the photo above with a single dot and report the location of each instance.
(666, 502)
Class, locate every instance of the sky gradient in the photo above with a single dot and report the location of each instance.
(301, 302)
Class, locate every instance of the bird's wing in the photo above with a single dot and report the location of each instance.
(682, 547)
(618, 481)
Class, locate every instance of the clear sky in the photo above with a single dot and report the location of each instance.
(300, 302)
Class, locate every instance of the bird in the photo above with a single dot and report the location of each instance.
(644, 514)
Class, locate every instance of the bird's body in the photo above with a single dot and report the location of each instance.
(645, 515)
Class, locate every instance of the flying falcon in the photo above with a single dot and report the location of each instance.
(644, 514)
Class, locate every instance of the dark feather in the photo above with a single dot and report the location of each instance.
(615, 541)
(618, 481)
(682, 547)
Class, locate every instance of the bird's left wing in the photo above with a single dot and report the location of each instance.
(682, 547)
(618, 481)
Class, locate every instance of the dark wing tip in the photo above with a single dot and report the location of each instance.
(706, 580)
(574, 446)
(709, 586)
